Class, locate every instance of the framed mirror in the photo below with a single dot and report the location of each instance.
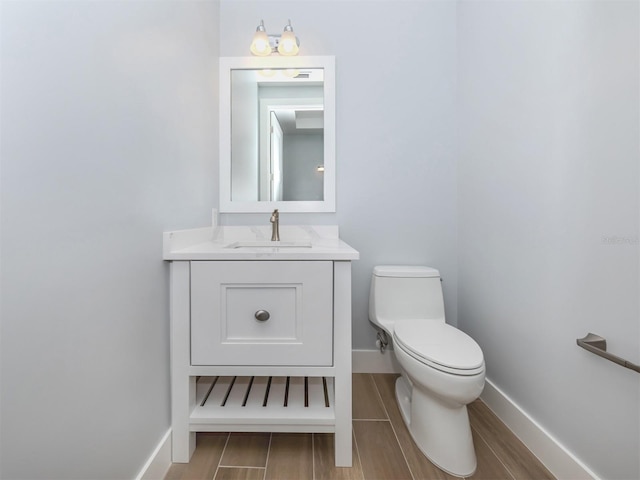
(277, 134)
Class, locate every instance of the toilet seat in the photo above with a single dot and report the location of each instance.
(439, 346)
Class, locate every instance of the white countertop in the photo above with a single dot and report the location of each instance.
(297, 242)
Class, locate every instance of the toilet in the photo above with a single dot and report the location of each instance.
(442, 367)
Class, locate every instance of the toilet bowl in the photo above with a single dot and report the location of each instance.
(442, 367)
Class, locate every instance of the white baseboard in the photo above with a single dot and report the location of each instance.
(159, 462)
(372, 361)
(555, 456)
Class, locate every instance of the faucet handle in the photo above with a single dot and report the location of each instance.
(275, 226)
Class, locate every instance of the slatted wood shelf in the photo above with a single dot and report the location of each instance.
(242, 403)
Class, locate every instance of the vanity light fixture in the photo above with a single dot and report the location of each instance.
(265, 44)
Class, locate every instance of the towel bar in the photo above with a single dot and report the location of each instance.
(598, 345)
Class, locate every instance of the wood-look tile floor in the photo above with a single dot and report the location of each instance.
(382, 448)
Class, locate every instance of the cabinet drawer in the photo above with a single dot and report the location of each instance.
(262, 313)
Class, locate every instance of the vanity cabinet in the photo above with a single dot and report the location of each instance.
(260, 338)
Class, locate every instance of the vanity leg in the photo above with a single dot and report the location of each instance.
(342, 358)
(343, 434)
(183, 442)
(183, 387)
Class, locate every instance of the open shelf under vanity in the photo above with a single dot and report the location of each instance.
(263, 403)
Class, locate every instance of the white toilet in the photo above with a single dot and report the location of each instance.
(442, 367)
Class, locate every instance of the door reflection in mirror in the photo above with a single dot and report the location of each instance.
(276, 161)
(277, 135)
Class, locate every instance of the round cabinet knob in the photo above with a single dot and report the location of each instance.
(262, 315)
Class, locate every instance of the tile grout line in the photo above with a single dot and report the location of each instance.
(355, 442)
(215, 474)
(242, 466)
(494, 452)
(371, 419)
(384, 407)
(313, 456)
(266, 462)
(404, 455)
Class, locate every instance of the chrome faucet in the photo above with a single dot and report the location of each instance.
(275, 226)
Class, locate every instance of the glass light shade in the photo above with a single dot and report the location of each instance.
(260, 44)
(288, 42)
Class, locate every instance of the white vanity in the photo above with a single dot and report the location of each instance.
(260, 333)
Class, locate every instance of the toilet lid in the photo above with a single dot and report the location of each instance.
(439, 345)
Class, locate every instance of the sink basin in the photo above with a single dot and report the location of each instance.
(269, 244)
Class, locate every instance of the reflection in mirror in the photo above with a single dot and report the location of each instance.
(278, 114)
(277, 134)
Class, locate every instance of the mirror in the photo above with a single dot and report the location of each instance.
(277, 134)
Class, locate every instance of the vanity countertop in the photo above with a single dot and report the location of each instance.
(298, 242)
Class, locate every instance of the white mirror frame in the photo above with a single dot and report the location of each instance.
(227, 64)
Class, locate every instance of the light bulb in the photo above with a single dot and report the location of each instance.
(260, 44)
(288, 42)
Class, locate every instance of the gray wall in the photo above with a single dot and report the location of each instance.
(303, 153)
(548, 214)
(108, 130)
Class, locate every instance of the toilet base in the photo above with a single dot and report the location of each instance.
(441, 431)
(403, 397)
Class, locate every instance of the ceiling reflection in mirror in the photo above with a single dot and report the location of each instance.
(277, 135)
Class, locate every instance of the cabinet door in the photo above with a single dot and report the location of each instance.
(262, 313)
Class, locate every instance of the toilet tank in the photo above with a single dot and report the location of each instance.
(404, 292)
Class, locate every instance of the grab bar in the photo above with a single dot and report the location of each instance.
(598, 345)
